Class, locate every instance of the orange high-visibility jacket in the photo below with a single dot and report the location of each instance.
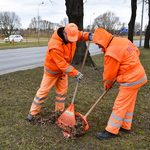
(127, 54)
(121, 61)
(59, 55)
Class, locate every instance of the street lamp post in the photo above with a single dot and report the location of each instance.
(38, 22)
(91, 18)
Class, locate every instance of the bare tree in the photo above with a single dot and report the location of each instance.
(64, 21)
(75, 13)
(132, 20)
(108, 21)
(9, 23)
(33, 24)
(44, 25)
(147, 33)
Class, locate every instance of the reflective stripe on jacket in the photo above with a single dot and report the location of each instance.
(128, 84)
(59, 55)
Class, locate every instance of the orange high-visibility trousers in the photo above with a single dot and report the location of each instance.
(123, 109)
(61, 85)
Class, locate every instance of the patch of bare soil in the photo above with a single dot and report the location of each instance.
(46, 119)
(76, 131)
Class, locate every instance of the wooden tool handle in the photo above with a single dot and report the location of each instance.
(85, 56)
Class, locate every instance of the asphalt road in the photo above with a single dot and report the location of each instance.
(12, 60)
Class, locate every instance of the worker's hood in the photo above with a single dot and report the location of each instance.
(102, 37)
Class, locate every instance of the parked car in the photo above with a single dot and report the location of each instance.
(14, 38)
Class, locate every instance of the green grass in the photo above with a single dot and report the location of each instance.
(22, 44)
(31, 42)
(17, 92)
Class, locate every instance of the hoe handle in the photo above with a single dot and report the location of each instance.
(85, 56)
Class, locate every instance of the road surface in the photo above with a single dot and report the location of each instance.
(12, 60)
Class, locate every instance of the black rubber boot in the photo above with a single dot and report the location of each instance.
(125, 130)
(105, 135)
(30, 117)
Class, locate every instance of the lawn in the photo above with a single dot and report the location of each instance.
(27, 42)
(17, 92)
(31, 42)
(24, 44)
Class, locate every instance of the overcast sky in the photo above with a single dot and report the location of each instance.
(56, 11)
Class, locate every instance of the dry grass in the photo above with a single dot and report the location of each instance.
(17, 92)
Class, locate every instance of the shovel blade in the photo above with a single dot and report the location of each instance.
(84, 119)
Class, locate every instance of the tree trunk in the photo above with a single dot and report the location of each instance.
(132, 20)
(74, 11)
(147, 33)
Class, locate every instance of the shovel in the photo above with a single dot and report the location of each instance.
(84, 117)
(67, 119)
(82, 126)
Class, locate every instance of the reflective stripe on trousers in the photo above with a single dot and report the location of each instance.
(39, 101)
(60, 102)
(61, 85)
(123, 109)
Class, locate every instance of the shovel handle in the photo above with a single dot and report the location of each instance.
(98, 100)
(85, 56)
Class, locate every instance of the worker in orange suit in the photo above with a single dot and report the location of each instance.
(57, 68)
(121, 64)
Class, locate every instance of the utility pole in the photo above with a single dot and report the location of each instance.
(141, 23)
(38, 32)
(91, 19)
